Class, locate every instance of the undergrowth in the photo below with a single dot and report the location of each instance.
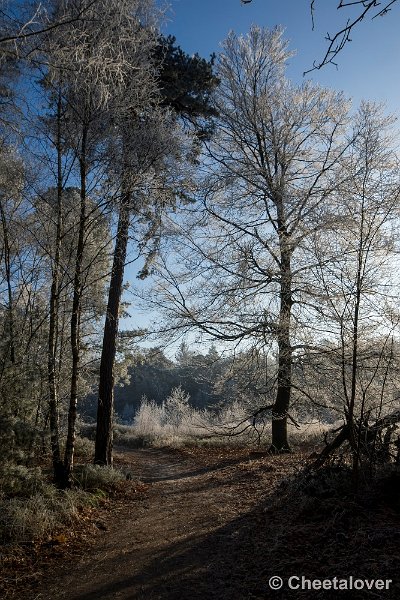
(39, 516)
(33, 509)
(176, 423)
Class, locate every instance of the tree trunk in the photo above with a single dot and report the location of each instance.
(75, 318)
(282, 403)
(7, 265)
(53, 318)
(104, 433)
(349, 411)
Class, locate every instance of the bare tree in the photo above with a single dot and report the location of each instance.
(357, 257)
(35, 21)
(338, 40)
(269, 172)
(11, 185)
(54, 299)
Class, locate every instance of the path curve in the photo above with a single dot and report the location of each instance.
(181, 541)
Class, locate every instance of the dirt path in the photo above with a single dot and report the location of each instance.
(210, 524)
(183, 538)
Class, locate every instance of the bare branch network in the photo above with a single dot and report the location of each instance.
(21, 30)
(338, 40)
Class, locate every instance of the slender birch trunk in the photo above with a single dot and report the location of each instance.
(7, 267)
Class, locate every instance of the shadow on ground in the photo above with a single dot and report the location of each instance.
(166, 465)
(316, 529)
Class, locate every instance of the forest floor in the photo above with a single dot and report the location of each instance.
(218, 524)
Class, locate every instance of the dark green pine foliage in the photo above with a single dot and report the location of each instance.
(186, 84)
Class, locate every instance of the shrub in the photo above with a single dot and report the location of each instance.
(149, 419)
(88, 430)
(18, 480)
(176, 408)
(175, 423)
(126, 435)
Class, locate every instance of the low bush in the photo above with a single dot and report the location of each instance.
(126, 435)
(177, 423)
(88, 431)
(18, 480)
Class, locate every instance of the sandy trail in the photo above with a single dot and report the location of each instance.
(175, 542)
(211, 524)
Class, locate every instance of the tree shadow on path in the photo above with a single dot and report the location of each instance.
(300, 529)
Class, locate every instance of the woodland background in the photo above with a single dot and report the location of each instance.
(262, 217)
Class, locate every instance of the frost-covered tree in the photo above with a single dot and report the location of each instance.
(89, 64)
(356, 257)
(154, 155)
(270, 169)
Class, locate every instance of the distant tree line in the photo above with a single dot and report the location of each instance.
(152, 375)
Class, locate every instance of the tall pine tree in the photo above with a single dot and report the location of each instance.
(185, 84)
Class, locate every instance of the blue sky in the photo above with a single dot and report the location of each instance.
(368, 67)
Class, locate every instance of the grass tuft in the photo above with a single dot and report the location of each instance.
(95, 477)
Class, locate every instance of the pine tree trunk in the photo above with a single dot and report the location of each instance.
(104, 433)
